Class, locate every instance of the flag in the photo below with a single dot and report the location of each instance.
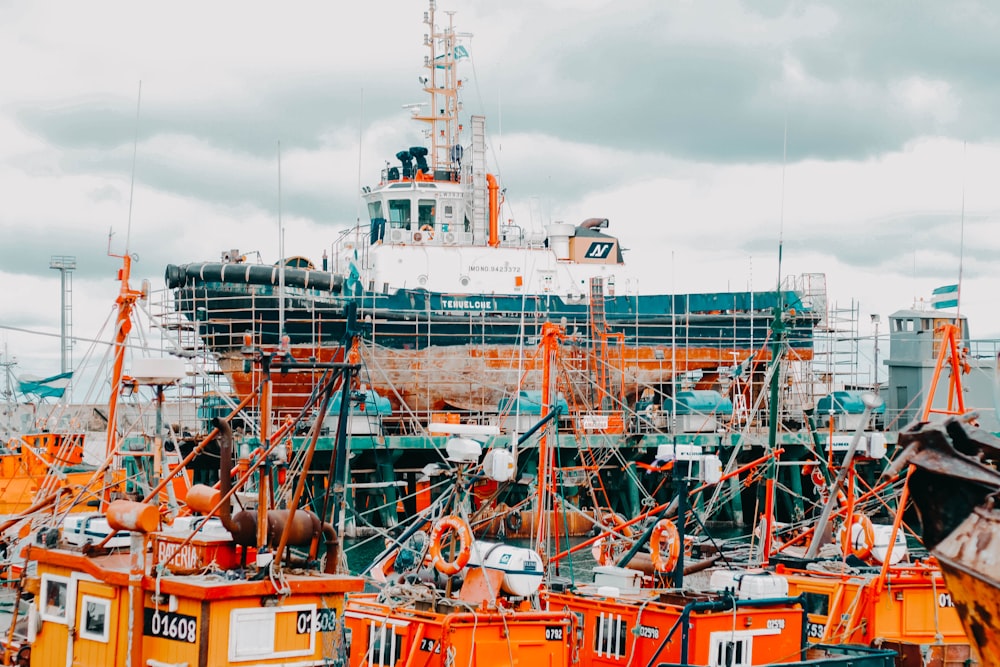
(457, 53)
(945, 296)
(50, 387)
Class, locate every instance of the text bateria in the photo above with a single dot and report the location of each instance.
(326, 621)
(168, 625)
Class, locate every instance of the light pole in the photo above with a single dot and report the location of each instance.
(65, 264)
(876, 318)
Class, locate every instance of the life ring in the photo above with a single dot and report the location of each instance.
(429, 230)
(664, 562)
(604, 549)
(513, 521)
(817, 478)
(453, 523)
(850, 546)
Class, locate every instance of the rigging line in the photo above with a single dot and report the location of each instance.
(135, 150)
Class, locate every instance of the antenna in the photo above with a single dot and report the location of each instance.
(361, 137)
(135, 149)
(781, 214)
(961, 243)
(281, 258)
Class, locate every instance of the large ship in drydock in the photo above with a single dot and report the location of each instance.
(443, 298)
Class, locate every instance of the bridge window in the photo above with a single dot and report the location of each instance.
(399, 213)
(425, 212)
(375, 210)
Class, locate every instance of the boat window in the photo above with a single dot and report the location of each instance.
(816, 603)
(385, 647)
(610, 638)
(375, 210)
(254, 633)
(399, 213)
(55, 596)
(95, 622)
(425, 212)
(732, 653)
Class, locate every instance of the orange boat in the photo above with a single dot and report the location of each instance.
(208, 588)
(645, 626)
(870, 595)
(954, 482)
(383, 634)
(910, 611)
(34, 465)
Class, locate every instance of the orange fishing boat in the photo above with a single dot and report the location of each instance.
(871, 593)
(209, 587)
(951, 472)
(35, 465)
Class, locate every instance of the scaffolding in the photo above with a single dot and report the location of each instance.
(836, 356)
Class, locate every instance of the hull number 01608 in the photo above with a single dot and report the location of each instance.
(168, 625)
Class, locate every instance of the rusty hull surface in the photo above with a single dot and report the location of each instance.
(954, 484)
(970, 562)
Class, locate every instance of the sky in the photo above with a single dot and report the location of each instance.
(859, 138)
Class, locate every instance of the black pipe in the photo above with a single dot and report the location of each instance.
(251, 274)
(681, 471)
(555, 412)
(643, 539)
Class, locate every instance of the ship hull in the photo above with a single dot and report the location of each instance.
(433, 351)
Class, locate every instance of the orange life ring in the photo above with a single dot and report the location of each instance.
(817, 478)
(429, 230)
(849, 544)
(459, 527)
(603, 550)
(664, 562)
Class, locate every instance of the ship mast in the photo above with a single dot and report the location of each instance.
(442, 86)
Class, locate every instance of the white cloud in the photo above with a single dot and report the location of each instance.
(694, 224)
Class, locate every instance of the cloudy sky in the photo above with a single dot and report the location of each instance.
(863, 136)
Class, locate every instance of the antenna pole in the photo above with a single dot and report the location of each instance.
(135, 150)
(281, 259)
(961, 247)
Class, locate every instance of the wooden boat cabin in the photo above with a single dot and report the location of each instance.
(911, 611)
(180, 599)
(622, 622)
